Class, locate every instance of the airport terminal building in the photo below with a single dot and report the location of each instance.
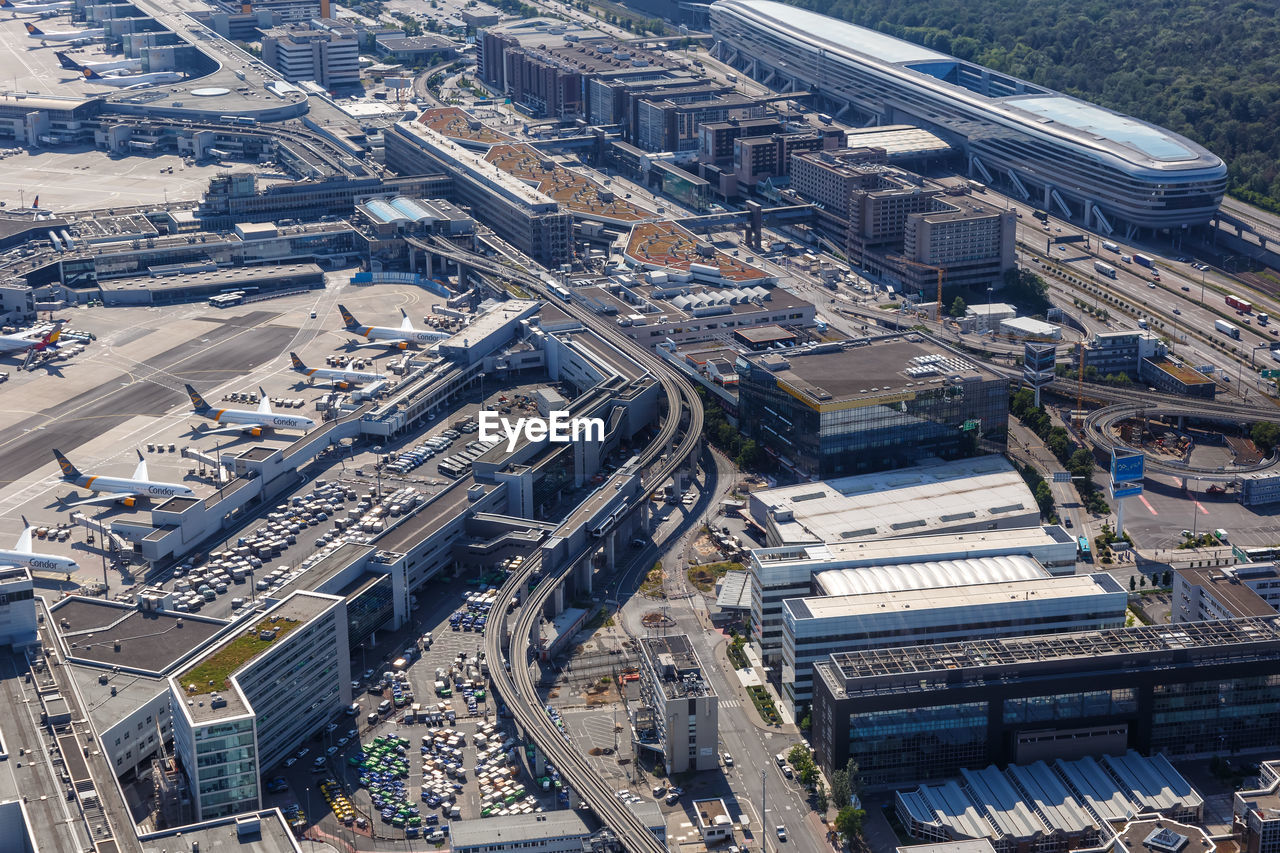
(1078, 160)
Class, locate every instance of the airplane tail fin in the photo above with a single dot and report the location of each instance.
(69, 471)
(51, 339)
(34, 30)
(348, 319)
(90, 74)
(197, 401)
(5, 4)
(64, 60)
(297, 362)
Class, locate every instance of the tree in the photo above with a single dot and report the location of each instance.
(1133, 584)
(1142, 582)
(1265, 434)
(849, 822)
(841, 791)
(958, 307)
(820, 801)
(1044, 498)
(1168, 578)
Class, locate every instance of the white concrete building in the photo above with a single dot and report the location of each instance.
(549, 832)
(17, 607)
(247, 702)
(937, 602)
(980, 493)
(797, 571)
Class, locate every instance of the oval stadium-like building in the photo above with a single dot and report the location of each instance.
(1073, 158)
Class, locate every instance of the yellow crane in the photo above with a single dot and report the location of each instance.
(939, 270)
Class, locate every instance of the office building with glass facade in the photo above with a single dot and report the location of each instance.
(919, 713)
(247, 702)
(838, 409)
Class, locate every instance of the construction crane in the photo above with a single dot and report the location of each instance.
(939, 270)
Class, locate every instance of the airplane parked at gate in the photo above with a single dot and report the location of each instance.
(400, 337)
(22, 555)
(244, 420)
(127, 491)
(343, 378)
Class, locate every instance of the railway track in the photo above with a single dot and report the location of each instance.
(514, 680)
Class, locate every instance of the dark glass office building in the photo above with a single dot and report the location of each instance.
(839, 409)
(920, 713)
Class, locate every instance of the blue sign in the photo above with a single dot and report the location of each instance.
(1125, 490)
(1127, 466)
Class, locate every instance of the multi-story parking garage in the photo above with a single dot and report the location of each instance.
(1082, 161)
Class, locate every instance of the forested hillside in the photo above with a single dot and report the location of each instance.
(1208, 70)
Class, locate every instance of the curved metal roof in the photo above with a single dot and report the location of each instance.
(383, 211)
(929, 575)
(1024, 103)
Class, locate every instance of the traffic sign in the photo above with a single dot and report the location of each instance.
(1271, 374)
(1125, 490)
(1127, 466)
(1062, 476)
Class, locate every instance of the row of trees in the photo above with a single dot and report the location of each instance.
(1207, 69)
(745, 452)
(1077, 460)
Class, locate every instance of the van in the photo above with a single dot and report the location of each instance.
(384, 706)
(353, 709)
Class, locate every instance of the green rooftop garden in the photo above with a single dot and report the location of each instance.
(214, 671)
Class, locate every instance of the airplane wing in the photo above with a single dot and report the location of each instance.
(24, 541)
(106, 497)
(140, 473)
(393, 343)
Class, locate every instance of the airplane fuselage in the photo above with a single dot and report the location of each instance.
(388, 333)
(354, 377)
(148, 488)
(43, 562)
(248, 418)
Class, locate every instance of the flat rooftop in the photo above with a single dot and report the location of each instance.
(460, 125)
(876, 552)
(665, 245)
(961, 494)
(675, 650)
(123, 693)
(1225, 586)
(320, 573)
(211, 673)
(1067, 588)
(272, 836)
(511, 830)
(544, 32)
(1220, 636)
(1165, 836)
(226, 277)
(151, 641)
(574, 192)
(1181, 372)
(899, 140)
(867, 374)
(709, 811)
(430, 518)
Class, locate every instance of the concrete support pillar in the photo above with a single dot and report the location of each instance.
(646, 518)
(1088, 212)
(557, 601)
(539, 763)
(1048, 200)
(583, 579)
(611, 551)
